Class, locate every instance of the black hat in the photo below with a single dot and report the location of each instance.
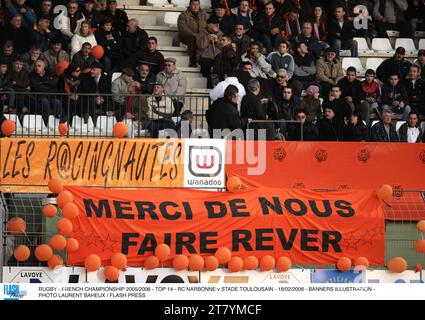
(213, 19)
(44, 16)
(88, 1)
(220, 6)
(330, 49)
(400, 50)
(329, 106)
(96, 64)
(55, 40)
(421, 53)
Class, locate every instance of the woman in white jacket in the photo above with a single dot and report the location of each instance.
(84, 35)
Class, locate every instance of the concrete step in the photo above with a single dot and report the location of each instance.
(139, 8)
(164, 41)
(182, 61)
(172, 51)
(196, 83)
(145, 19)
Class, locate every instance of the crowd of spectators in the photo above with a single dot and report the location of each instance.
(269, 60)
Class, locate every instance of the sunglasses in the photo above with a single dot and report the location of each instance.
(281, 77)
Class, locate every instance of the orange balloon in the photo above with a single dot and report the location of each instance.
(162, 252)
(421, 226)
(180, 262)
(55, 185)
(235, 264)
(43, 252)
(120, 129)
(72, 245)
(211, 263)
(97, 52)
(8, 127)
(111, 273)
(92, 262)
(234, 184)
(223, 255)
(267, 263)
(55, 262)
(361, 261)
(58, 242)
(22, 253)
(250, 263)
(397, 265)
(50, 211)
(16, 225)
(196, 263)
(61, 66)
(63, 129)
(151, 263)
(64, 227)
(283, 264)
(420, 246)
(70, 211)
(119, 261)
(63, 198)
(344, 264)
(385, 192)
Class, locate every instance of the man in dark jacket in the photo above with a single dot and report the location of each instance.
(110, 40)
(241, 40)
(339, 106)
(384, 131)
(227, 22)
(134, 39)
(42, 34)
(341, 33)
(145, 78)
(392, 15)
(84, 58)
(223, 61)
(307, 37)
(20, 81)
(19, 34)
(150, 56)
(93, 16)
(395, 65)
(118, 16)
(411, 131)
(6, 86)
(305, 69)
(415, 87)
(309, 129)
(330, 128)
(394, 97)
(356, 130)
(223, 116)
(269, 27)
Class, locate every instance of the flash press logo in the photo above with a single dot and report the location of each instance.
(12, 292)
(205, 161)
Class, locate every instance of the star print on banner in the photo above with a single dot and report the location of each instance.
(351, 241)
(108, 244)
(91, 240)
(78, 235)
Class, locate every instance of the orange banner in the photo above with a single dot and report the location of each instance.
(328, 165)
(308, 226)
(28, 164)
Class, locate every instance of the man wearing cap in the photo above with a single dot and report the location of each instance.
(55, 54)
(119, 17)
(190, 24)
(209, 46)
(41, 33)
(329, 127)
(396, 64)
(329, 71)
(174, 82)
(227, 22)
(119, 88)
(84, 58)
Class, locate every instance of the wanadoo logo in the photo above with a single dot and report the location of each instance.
(205, 161)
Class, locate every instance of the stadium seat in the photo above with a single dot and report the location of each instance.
(105, 124)
(419, 34)
(382, 45)
(115, 76)
(180, 3)
(393, 33)
(363, 46)
(79, 125)
(53, 123)
(170, 18)
(399, 124)
(353, 62)
(34, 123)
(373, 63)
(130, 128)
(374, 122)
(156, 3)
(15, 118)
(421, 44)
(408, 45)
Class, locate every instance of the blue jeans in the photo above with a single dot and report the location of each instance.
(270, 42)
(352, 44)
(405, 111)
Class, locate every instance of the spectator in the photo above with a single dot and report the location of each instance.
(390, 15)
(312, 43)
(223, 115)
(288, 104)
(311, 104)
(98, 84)
(42, 81)
(421, 61)
(340, 106)
(415, 12)
(151, 56)
(394, 97)
(42, 34)
(309, 129)
(118, 16)
(20, 81)
(415, 87)
(84, 58)
(31, 57)
(119, 89)
(243, 74)
(226, 22)
(305, 69)
(218, 91)
(341, 33)
(223, 61)
(397, 64)
(303, 8)
(6, 86)
(18, 33)
(410, 131)
(45, 9)
(174, 82)
(384, 131)
(136, 106)
(255, 108)
(241, 39)
(244, 15)
(292, 25)
(356, 130)
(94, 17)
(134, 39)
(281, 59)
(371, 89)
(352, 92)
(185, 121)
(190, 24)
(268, 28)
(8, 54)
(330, 129)
(329, 71)
(15, 7)
(209, 46)
(145, 78)
(69, 84)
(320, 26)
(55, 54)
(261, 68)
(71, 23)
(278, 84)
(84, 35)
(110, 40)
(161, 108)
